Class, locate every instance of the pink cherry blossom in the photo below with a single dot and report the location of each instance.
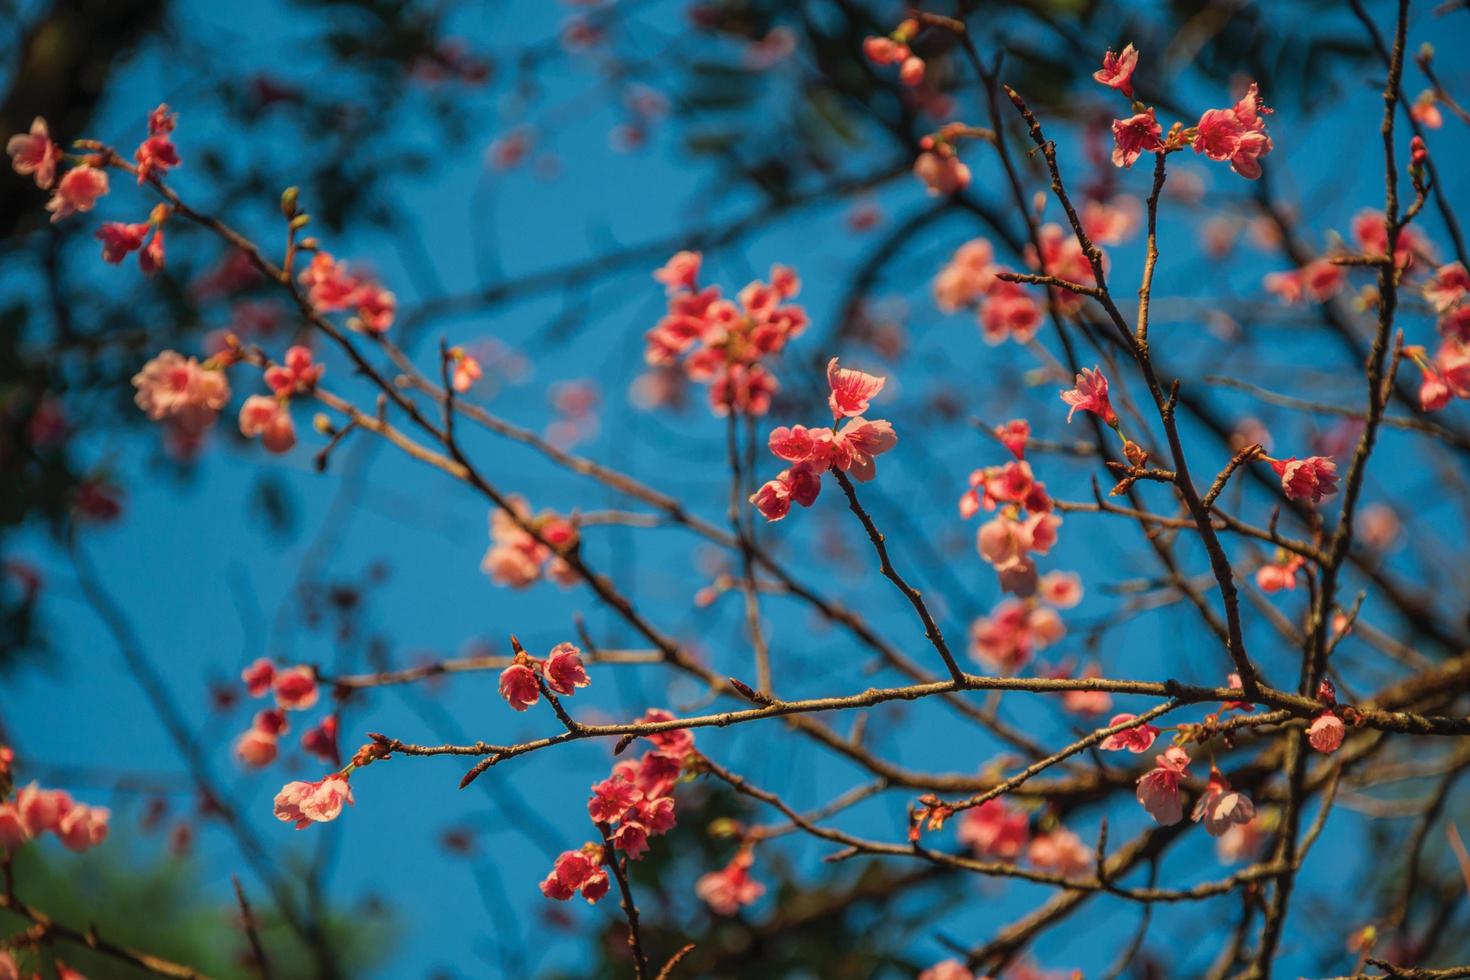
(575, 871)
(726, 891)
(994, 830)
(801, 483)
(257, 748)
(631, 838)
(466, 371)
(151, 258)
(1134, 136)
(1091, 395)
(1062, 852)
(1242, 841)
(1158, 789)
(298, 374)
(181, 390)
(42, 809)
(258, 677)
(35, 153)
(1450, 285)
(1221, 806)
(519, 687)
(611, 798)
(564, 670)
(321, 740)
(1280, 574)
(1117, 70)
(1007, 639)
(1425, 110)
(1237, 134)
(1307, 479)
(969, 274)
(941, 170)
(307, 803)
(657, 814)
(1014, 435)
(1061, 589)
(884, 51)
(83, 827)
(119, 239)
(295, 688)
(79, 189)
(267, 417)
(1008, 312)
(1326, 732)
(851, 390)
(858, 442)
(1137, 739)
(157, 154)
(911, 72)
(680, 272)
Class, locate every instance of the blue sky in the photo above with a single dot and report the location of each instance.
(206, 585)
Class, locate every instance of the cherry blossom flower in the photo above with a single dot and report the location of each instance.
(1014, 435)
(1137, 739)
(801, 483)
(257, 748)
(1134, 136)
(1084, 702)
(157, 154)
(79, 189)
(295, 688)
(1306, 479)
(726, 891)
(1243, 841)
(307, 803)
(680, 272)
(1117, 70)
(35, 154)
(258, 677)
(1425, 110)
(1318, 280)
(940, 169)
(858, 442)
(1091, 395)
(1371, 235)
(1326, 732)
(851, 390)
(42, 809)
(969, 275)
(331, 287)
(1450, 285)
(1061, 589)
(182, 390)
(994, 830)
(1237, 134)
(82, 827)
(1062, 852)
(577, 871)
(120, 240)
(564, 670)
(519, 687)
(1221, 806)
(1280, 574)
(1007, 639)
(1008, 311)
(267, 417)
(1109, 223)
(298, 374)
(884, 50)
(321, 740)
(465, 372)
(1158, 789)
(631, 838)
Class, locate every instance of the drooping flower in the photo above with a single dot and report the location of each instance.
(680, 272)
(1090, 393)
(157, 154)
(1326, 732)
(941, 170)
(577, 871)
(298, 374)
(1137, 739)
(1117, 70)
(726, 891)
(1280, 574)
(258, 677)
(519, 687)
(1307, 479)
(1221, 806)
(119, 239)
(295, 688)
(307, 803)
(1134, 136)
(1158, 789)
(35, 154)
(801, 483)
(79, 189)
(267, 417)
(256, 747)
(321, 740)
(1014, 435)
(82, 827)
(564, 670)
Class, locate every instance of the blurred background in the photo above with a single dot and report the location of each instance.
(514, 170)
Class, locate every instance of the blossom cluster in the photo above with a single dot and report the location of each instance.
(722, 343)
(1446, 375)
(631, 806)
(1025, 524)
(561, 671)
(811, 452)
(294, 689)
(331, 287)
(1237, 134)
(35, 811)
(517, 559)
